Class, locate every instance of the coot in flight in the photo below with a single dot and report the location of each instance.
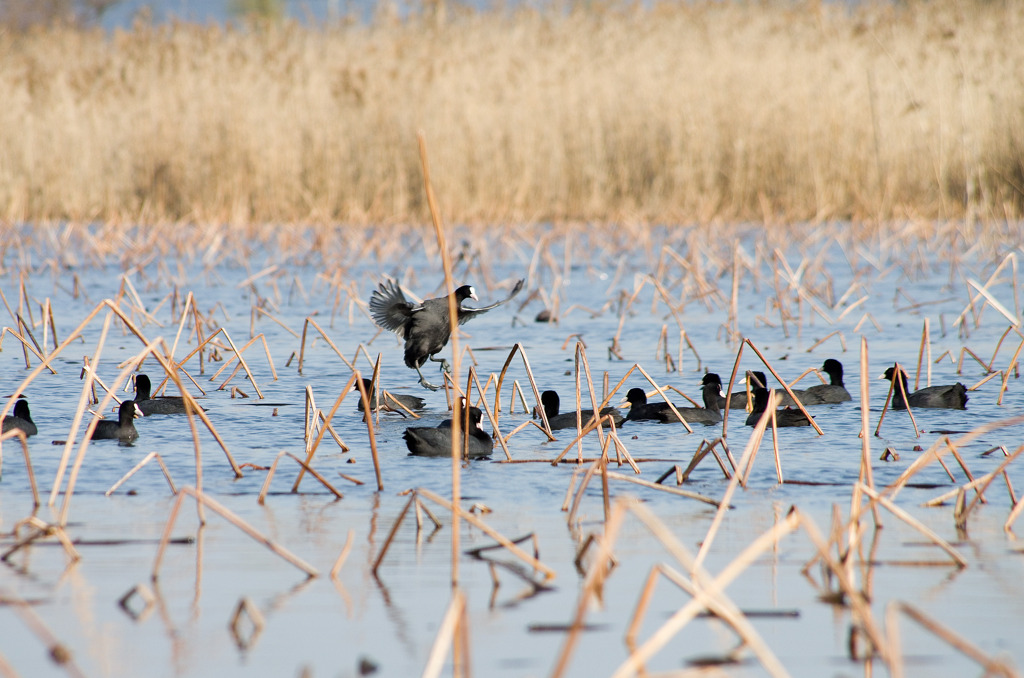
(425, 327)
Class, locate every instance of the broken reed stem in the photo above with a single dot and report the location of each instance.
(614, 475)
(232, 518)
(913, 522)
(711, 589)
(453, 320)
(723, 505)
(145, 460)
(951, 638)
(345, 550)
(446, 635)
(23, 439)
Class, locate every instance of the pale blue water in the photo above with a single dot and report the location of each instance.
(327, 628)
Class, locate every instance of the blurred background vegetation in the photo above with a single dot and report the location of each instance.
(671, 112)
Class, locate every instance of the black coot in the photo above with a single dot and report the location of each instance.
(711, 390)
(549, 400)
(124, 428)
(640, 409)
(949, 396)
(822, 394)
(425, 327)
(388, 401)
(786, 417)
(833, 392)
(161, 405)
(20, 418)
(437, 442)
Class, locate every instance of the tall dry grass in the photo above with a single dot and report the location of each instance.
(682, 111)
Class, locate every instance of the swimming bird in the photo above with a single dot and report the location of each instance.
(161, 405)
(437, 441)
(711, 389)
(20, 418)
(640, 409)
(821, 394)
(426, 327)
(550, 402)
(388, 401)
(124, 428)
(831, 393)
(784, 417)
(949, 396)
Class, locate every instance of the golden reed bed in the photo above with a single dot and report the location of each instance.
(681, 112)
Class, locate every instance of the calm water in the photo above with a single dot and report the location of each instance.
(327, 627)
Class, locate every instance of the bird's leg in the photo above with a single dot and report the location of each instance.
(445, 367)
(424, 382)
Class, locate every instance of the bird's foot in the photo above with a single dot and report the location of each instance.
(424, 383)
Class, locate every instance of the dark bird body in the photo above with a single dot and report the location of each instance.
(426, 327)
(949, 396)
(20, 418)
(785, 417)
(711, 390)
(640, 409)
(389, 400)
(437, 441)
(124, 428)
(161, 405)
(550, 402)
(822, 394)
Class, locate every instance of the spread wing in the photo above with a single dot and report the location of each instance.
(389, 307)
(465, 314)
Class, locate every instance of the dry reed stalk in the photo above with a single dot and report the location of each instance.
(784, 385)
(875, 497)
(302, 345)
(710, 591)
(343, 556)
(944, 633)
(58, 652)
(490, 415)
(241, 361)
(894, 384)
(508, 544)
(848, 309)
(933, 452)
(453, 319)
(705, 448)
(232, 518)
(655, 486)
(581, 357)
(1009, 369)
(454, 619)
(42, 529)
(755, 440)
(976, 386)
(983, 290)
(926, 345)
(25, 346)
(145, 460)
(23, 439)
(592, 584)
(83, 401)
(246, 610)
(858, 603)
(960, 363)
(865, 474)
(723, 505)
(521, 350)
